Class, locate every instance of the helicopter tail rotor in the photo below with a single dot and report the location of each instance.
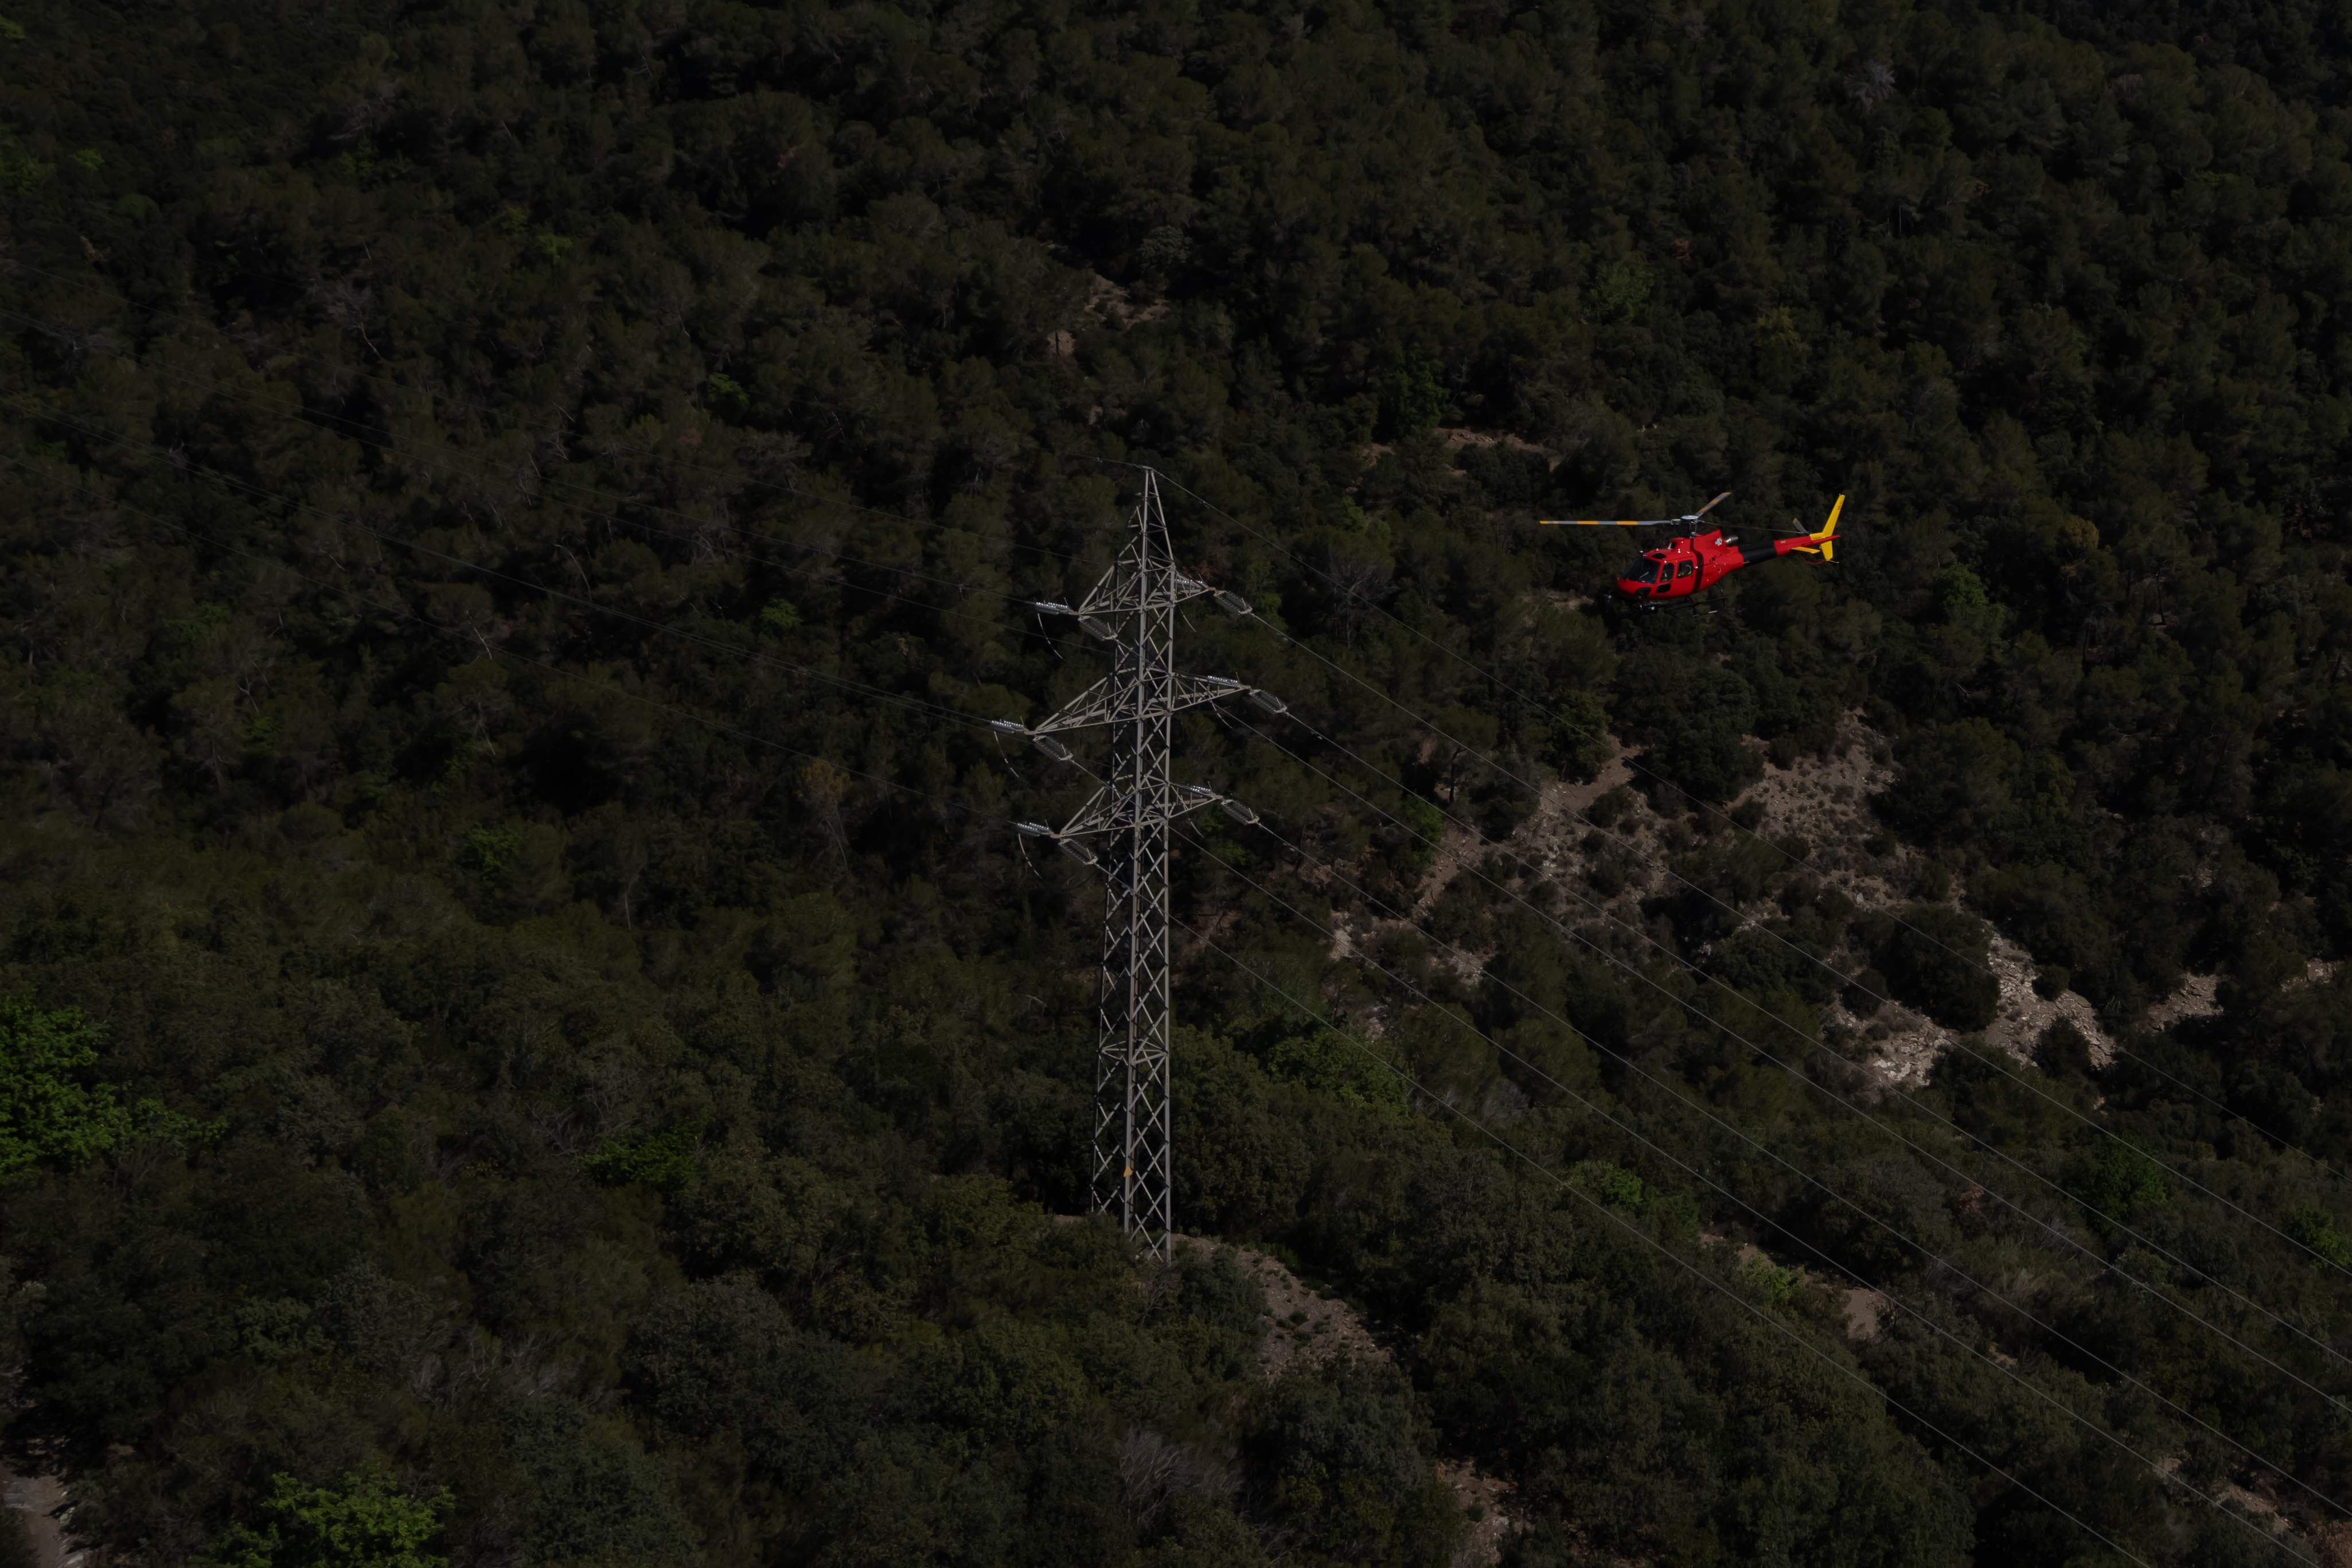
(1825, 544)
(1829, 548)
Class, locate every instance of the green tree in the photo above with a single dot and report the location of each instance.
(2117, 1178)
(1580, 742)
(1330, 1063)
(363, 1520)
(423, 423)
(48, 1114)
(2315, 1228)
(1413, 395)
(662, 1160)
(1696, 719)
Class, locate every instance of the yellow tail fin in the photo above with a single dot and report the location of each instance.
(1829, 547)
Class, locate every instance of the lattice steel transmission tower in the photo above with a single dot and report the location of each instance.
(1123, 830)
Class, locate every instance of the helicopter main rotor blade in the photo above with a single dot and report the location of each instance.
(1683, 522)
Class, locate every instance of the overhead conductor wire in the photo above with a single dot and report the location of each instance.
(1885, 1127)
(1701, 1175)
(464, 636)
(944, 712)
(1814, 958)
(480, 409)
(1752, 1142)
(1499, 683)
(933, 709)
(1693, 1270)
(1816, 1044)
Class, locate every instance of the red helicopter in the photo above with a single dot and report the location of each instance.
(1698, 560)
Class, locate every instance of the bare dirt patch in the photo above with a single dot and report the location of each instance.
(2198, 995)
(1106, 302)
(1907, 1045)
(1864, 1310)
(1481, 1497)
(1306, 1328)
(1547, 839)
(1555, 838)
(1302, 1324)
(1819, 812)
(2025, 1013)
(1825, 801)
(1458, 437)
(1904, 1046)
(2196, 998)
(1827, 804)
(1343, 941)
(40, 1502)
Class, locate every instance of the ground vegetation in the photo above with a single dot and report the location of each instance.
(527, 1037)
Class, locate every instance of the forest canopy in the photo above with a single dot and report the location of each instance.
(526, 1035)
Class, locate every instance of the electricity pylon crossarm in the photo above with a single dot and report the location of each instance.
(1101, 702)
(1123, 829)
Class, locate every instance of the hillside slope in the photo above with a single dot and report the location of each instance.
(524, 1022)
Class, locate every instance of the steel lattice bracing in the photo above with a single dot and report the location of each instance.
(1127, 825)
(1132, 1167)
(1130, 1154)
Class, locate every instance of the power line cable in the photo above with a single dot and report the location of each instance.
(1497, 680)
(968, 718)
(927, 709)
(1958, 1043)
(1840, 1098)
(482, 410)
(1693, 1270)
(464, 636)
(1693, 1171)
(937, 710)
(634, 619)
(1924, 1254)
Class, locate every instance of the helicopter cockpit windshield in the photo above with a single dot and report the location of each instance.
(1642, 570)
